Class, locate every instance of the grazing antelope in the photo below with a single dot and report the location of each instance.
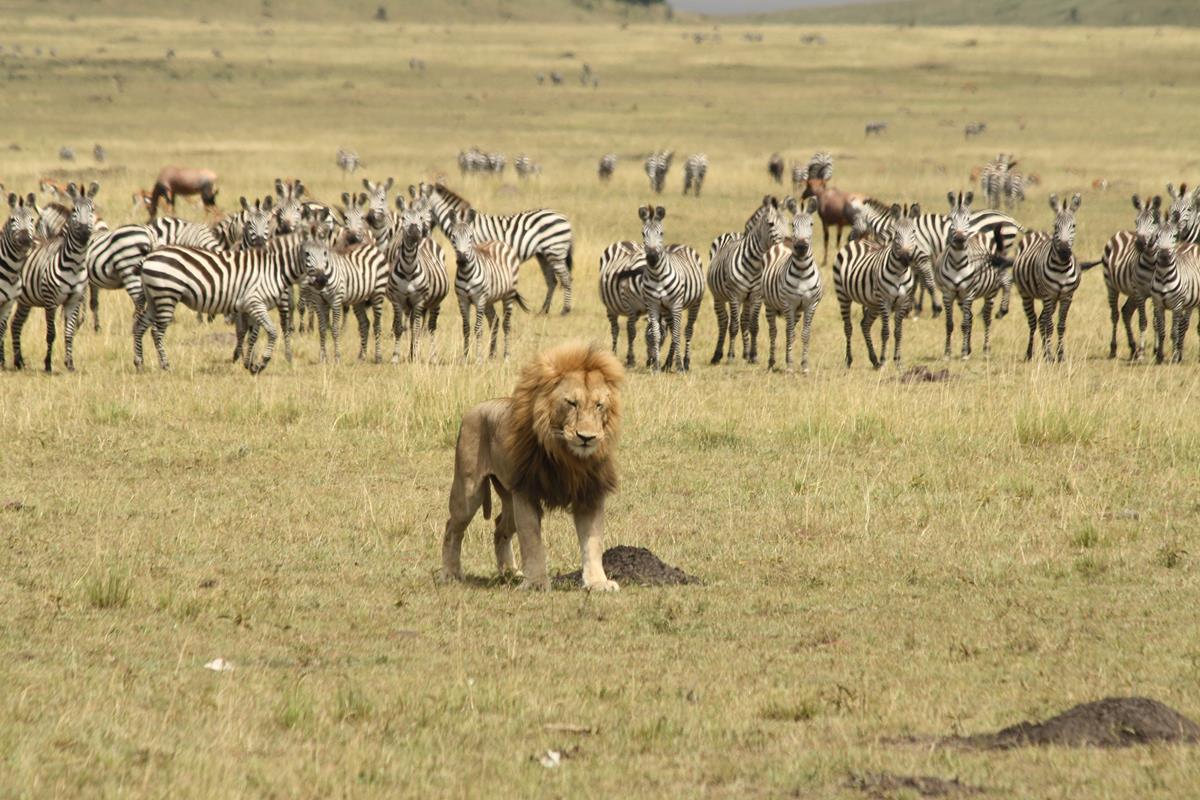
(836, 208)
(186, 181)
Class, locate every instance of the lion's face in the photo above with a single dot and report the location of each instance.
(579, 415)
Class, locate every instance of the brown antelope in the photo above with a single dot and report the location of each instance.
(141, 200)
(184, 181)
(836, 208)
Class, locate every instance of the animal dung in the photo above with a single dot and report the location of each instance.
(635, 566)
(1111, 722)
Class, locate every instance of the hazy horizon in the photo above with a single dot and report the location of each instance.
(750, 6)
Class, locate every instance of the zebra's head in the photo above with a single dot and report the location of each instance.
(904, 233)
(652, 232)
(415, 222)
(1063, 240)
(377, 205)
(83, 214)
(462, 236)
(1146, 225)
(354, 217)
(22, 221)
(289, 207)
(769, 226)
(258, 222)
(802, 225)
(422, 197)
(1168, 240)
(959, 218)
(314, 258)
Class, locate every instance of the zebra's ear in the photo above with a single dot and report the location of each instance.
(412, 191)
(1156, 203)
(12, 199)
(914, 211)
(469, 216)
(1137, 202)
(345, 198)
(245, 205)
(953, 200)
(660, 213)
(93, 189)
(268, 203)
(297, 189)
(387, 187)
(811, 205)
(31, 200)
(367, 184)
(400, 202)
(644, 213)
(72, 191)
(427, 190)
(970, 198)
(1076, 201)
(362, 199)
(1054, 203)
(279, 187)
(791, 205)
(896, 211)
(1171, 191)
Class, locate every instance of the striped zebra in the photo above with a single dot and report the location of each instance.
(735, 279)
(246, 283)
(54, 275)
(355, 276)
(966, 270)
(52, 218)
(289, 205)
(673, 282)
(486, 274)
(1129, 262)
(1176, 286)
(417, 279)
(878, 275)
(1187, 206)
(608, 165)
(380, 219)
(622, 269)
(541, 233)
(694, 171)
(16, 240)
(1046, 269)
(791, 284)
(657, 165)
(348, 160)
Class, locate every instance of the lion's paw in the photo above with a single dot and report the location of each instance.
(605, 585)
(532, 585)
(448, 576)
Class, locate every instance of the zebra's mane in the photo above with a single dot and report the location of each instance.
(452, 196)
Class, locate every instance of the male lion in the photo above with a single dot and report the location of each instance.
(550, 445)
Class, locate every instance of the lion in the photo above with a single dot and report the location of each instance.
(551, 445)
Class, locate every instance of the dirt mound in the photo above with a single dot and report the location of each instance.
(1111, 722)
(632, 565)
(923, 374)
(884, 784)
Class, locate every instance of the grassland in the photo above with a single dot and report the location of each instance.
(881, 560)
(999, 12)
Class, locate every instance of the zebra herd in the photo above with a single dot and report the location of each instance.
(963, 255)
(658, 164)
(355, 257)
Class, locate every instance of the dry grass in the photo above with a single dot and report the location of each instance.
(880, 559)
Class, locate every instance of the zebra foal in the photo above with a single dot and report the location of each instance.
(486, 274)
(791, 284)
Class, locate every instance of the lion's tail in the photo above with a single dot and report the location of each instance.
(487, 498)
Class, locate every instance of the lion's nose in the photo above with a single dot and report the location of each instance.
(584, 438)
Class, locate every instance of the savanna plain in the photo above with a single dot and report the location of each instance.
(881, 561)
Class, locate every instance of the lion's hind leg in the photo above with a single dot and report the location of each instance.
(466, 496)
(506, 528)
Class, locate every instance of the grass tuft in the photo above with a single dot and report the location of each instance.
(110, 590)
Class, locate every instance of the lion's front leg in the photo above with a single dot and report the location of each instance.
(589, 527)
(527, 518)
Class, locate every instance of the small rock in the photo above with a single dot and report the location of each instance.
(219, 665)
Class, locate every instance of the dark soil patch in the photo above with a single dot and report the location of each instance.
(923, 374)
(1112, 722)
(632, 565)
(886, 785)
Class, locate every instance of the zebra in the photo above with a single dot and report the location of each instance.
(16, 240)
(1129, 262)
(417, 280)
(348, 160)
(791, 283)
(1176, 286)
(526, 166)
(486, 274)
(66, 153)
(694, 171)
(113, 261)
(799, 178)
(657, 165)
(974, 129)
(622, 270)
(99, 153)
(1187, 206)
(380, 219)
(878, 275)
(1014, 188)
(354, 276)
(1046, 269)
(54, 275)
(775, 167)
(673, 281)
(608, 165)
(735, 267)
(246, 283)
(965, 271)
(876, 128)
(540, 233)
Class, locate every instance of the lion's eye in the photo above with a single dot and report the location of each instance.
(572, 403)
(599, 406)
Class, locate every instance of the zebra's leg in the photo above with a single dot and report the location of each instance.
(720, 309)
(508, 312)
(493, 330)
(630, 336)
(654, 328)
(251, 338)
(771, 332)
(94, 306)
(397, 329)
(17, 324)
(848, 328)
(377, 323)
(806, 333)
(675, 357)
(141, 321)
(755, 313)
(988, 303)
(322, 329)
(735, 317)
(968, 317)
(614, 327)
(414, 332)
(51, 333)
(559, 272)
(241, 328)
(886, 326)
(464, 306)
(551, 283)
(919, 299)
(1064, 306)
(164, 314)
(6, 308)
(1114, 312)
(364, 330)
(1141, 348)
(1160, 314)
(285, 322)
(258, 313)
(688, 329)
(868, 319)
(1131, 305)
(431, 329)
(1031, 317)
(479, 314)
(1005, 297)
(948, 305)
(1180, 318)
(1046, 322)
(900, 315)
(71, 318)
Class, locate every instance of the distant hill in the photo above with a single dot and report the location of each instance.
(999, 12)
(395, 11)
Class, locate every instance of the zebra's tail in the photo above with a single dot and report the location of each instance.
(487, 498)
(144, 250)
(571, 257)
(521, 301)
(1086, 265)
